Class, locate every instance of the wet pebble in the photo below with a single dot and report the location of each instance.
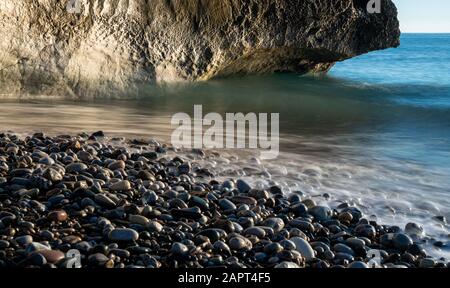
(320, 213)
(402, 241)
(414, 229)
(243, 186)
(427, 263)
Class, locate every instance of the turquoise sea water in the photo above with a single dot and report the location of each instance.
(375, 131)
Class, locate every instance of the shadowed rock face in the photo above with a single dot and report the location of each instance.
(120, 44)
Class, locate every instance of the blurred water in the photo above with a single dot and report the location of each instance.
(375, 131)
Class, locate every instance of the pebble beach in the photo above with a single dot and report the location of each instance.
(125, 203)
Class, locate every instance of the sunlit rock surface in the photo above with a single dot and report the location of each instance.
(99, 46)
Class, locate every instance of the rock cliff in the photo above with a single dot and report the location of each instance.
(80, 46)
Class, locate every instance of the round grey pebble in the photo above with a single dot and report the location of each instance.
(123, 234)
(358, 265)
(179, 249)
(402, 241)
(76, 168)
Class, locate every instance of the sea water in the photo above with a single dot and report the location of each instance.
(374, 132)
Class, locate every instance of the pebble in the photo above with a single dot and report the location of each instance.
(273, 248)
(440, 219)
(24, 240)
(416, 250)
(213, 234)
(402, 241)
(124, 185)
(37, 259)
(184, 168)
(177, 203)
(287, 265)
(414, 229)
(104, 201)
(240, 243)
(256, 231)
(123, 234)
(52, 256)
(100, 260)
(304, 248)
(358, 265)
(299, 209)
(58, 216)
(321, 213)
(343, 257)
(189, 213)
(76, 168)
(122, 253)
(287, 244)
(309, 203)
(138, 219)
(277, 224)
(343, 249)
(52, 175)
(85, 156)
(179, 249)
(36, 246)
(145, 175)
(355, 243)
(427, 263)
(244, 200)
(46, 161)
(154, 226)
(226, 204)
(221, 247)
(355, 212)
(259, 194)
(345, 217)
(4, 244)
(98, 134)
(117, 165)
(150, 197)
(365, 230)
(243, 186)
(303, 225)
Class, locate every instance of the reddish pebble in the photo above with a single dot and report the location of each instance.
(52, 256)
(58, 216)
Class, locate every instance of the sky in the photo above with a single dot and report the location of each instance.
(426, 16)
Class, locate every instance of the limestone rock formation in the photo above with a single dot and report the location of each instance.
(75, 47)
